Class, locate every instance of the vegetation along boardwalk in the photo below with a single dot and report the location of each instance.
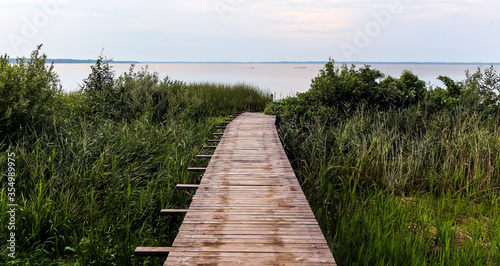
(249, 208)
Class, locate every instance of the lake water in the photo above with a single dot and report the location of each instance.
(280, 79)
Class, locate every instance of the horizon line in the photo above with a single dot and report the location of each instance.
(83, 61)
(318, 62)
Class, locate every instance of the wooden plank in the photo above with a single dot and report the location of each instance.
(167, 212)
(243, 259)
(187, 186)
(256, 231)
(196, 169)
(276, 248)
(320, 253)
(214, 140)
(152, 251)
(210, 147)
(203, 156)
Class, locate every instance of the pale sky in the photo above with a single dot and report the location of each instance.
(247, 30)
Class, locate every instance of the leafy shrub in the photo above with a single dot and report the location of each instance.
(27, 93)
(486, 84)
(99, 87)
(348, 85)
(142, 92)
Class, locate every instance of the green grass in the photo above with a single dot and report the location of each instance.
(93, 194)
(401, 187)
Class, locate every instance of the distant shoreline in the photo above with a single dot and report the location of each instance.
(324, 62)
(90, 61)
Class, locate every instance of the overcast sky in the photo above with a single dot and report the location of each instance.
(248, 30)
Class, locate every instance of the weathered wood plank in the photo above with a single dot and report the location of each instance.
(187, 186)
(203, 156)
(277, 248)
(167, 212)
(152, 251)
(196, 169)
(210, 147)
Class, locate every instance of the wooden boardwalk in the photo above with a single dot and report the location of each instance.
(249, 208)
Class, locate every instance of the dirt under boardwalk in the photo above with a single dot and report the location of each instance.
(249, 208)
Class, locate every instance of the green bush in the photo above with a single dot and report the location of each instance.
(344, 86)
(28, 90)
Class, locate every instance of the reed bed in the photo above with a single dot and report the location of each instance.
(92, 176)
(400, 186)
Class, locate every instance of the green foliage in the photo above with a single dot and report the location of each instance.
(479, 90)
(201, 99)
(91, 192)
(396, 174)
(376, 179)
(136, 93)
(28, 90)
(142, 92)
(344, 86)
(486, 84)
(91, 180)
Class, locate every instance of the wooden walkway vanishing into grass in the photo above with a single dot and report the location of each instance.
(249, 208)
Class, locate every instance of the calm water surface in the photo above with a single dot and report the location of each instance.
(280, 79)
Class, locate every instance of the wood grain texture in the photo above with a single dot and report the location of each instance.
(249, 208)
(152, 251)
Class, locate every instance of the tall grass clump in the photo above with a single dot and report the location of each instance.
(395, 174)
(96, 167)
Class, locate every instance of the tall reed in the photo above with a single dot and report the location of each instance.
(402, 185)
